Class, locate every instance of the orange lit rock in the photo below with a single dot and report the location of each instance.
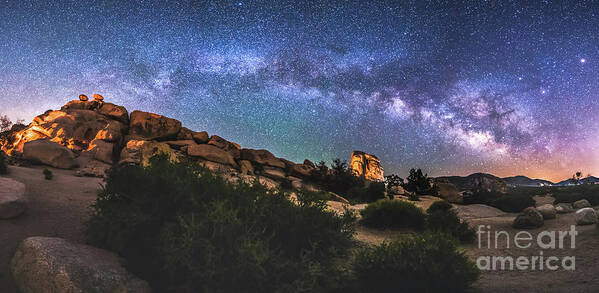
(83, 98)
(366, 165)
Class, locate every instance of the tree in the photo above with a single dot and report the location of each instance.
(419, 183)
(5, 123)
(576, 177)
(392, 182)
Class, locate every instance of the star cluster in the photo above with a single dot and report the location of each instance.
(506, 87)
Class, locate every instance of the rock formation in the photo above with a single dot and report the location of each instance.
(12, 198)
(92, 136)
(44, 264)
(366, 165)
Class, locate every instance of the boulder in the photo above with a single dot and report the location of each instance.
(583, 203)
(114, 111)
(200, 137)
(83, 98)
(101, 151)
(300, 170)
(12, 198)
(529, 218)
(49, 153)
(211, 153)
(246, 167)
(90, 167)
(262, 157)
(98, 97)
(179, 144)
(585, 216)
(140, 152)
(152, 126)
(46, 264)
(184, 134)
(274, 173)
(112, 132)
(564, 208)
(309, 164)
(225, 145)
(548, 211)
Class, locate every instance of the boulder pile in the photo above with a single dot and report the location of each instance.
(91, 136)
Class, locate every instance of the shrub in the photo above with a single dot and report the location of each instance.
(186, 230)
(442, 218)
(48, 174)
(3, 163)
(386, 213)
(369, 192)
(570, 194)
(513, 203)
(440, 205)
(427, 262)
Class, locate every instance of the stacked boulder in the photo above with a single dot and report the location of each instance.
(530, 218)
(93, 135)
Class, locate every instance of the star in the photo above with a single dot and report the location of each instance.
(582, 60)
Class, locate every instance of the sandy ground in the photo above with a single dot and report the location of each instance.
(59, 207)
(56, 208)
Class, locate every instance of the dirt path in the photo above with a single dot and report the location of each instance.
(56, 207)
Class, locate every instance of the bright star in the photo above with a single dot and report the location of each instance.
(582, 60)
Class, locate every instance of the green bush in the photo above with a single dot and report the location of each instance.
(427, 262)
(442, 218)
(48, 174)
(570, 194)
(3, 164)
(440, 205)
(387, 213)
(513, 203)
(186, 230)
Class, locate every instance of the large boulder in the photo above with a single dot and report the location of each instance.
(274, 173)
(246, 167)
(114, 111)
(585, 216)
(200, 137)
(211, 153)
(49, 153)
(102, 151)
(583, 203)
(262, 157)
(45, 264)
(529, 218)
(564, 208)
(367, 166)
(301, 170)
(225, 145)
(12, 198)
(152, 126)
(140, 151)
(548, 211)
(112, 132)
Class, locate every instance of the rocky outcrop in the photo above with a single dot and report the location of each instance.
(476, 181)
(49, 153)
(44, 264)
(367, 166)
(529, 218)
(12, 198)
(96, 135)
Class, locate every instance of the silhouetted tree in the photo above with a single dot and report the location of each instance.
(419, 183)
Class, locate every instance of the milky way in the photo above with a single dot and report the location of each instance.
(497, 86)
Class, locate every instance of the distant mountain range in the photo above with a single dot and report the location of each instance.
(525, 181)
(491, 182)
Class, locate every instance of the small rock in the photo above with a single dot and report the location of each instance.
(12, 198)
(564, 208)
(83, 98)
(529, 218)
(46, 264)
(583, 203)
(548, 211)
(98, 97)
(585, 216)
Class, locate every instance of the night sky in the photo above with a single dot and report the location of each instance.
(453, 87)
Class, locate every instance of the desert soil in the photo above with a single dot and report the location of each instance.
(60, 206)
(56, 208)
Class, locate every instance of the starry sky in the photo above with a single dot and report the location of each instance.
(453, 87)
